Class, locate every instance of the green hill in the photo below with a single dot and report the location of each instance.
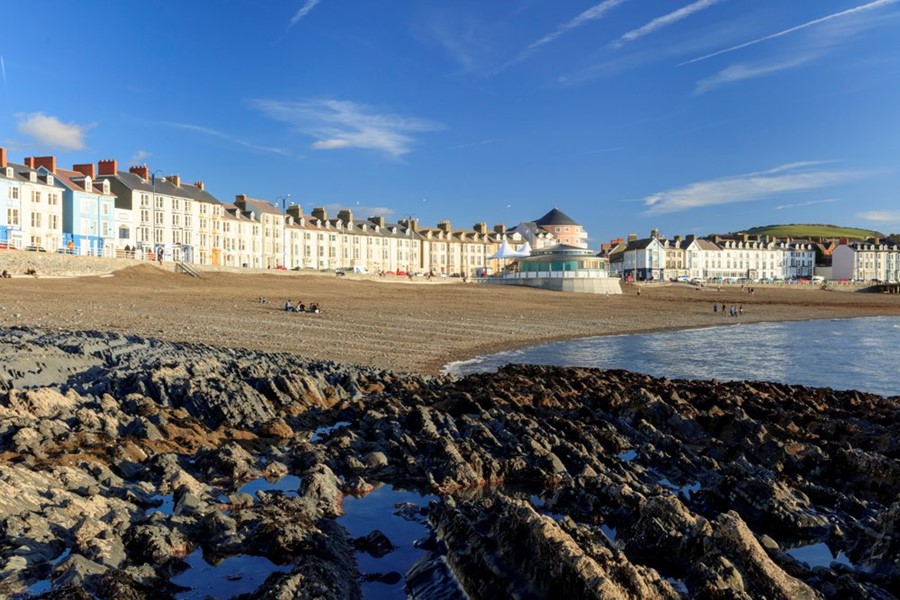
(813, 231)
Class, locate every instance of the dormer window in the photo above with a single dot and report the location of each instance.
(88, 184)
(9, 172)
(49, 179)
(106, 186)
(32, 177)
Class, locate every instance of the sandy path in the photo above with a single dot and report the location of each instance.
(401, 326)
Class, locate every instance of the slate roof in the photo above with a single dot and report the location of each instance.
(165, 188)
(556, 217)
(21, 173)
(68, 178)
(640, 244)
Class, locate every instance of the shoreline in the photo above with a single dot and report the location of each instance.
(404, 327)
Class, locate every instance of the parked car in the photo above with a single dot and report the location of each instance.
(34, 249)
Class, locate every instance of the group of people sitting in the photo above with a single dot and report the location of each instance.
(300, 307)
(6, 274)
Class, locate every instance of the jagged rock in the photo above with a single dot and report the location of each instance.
(376, 543)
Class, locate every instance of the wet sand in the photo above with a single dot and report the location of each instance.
(390, 323)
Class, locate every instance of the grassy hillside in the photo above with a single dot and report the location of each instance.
(803, 231)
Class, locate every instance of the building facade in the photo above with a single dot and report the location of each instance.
(876, 261)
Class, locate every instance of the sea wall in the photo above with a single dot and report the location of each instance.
(122, 457)
(585, 285)
(47, 264)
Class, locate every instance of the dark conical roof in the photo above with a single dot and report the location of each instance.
(555, 217)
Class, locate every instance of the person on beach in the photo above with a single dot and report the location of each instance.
(314, 308)
(6, 274)
(301, 307)
(733, 311)
(715, 308)
(723, 309)
(741, 310)
(287, 306)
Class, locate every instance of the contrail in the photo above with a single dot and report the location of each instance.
(843, 13)
(3, 70)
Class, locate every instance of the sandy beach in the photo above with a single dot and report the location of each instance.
(389, 323)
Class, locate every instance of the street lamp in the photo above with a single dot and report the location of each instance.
(284, 200)
(153, 180)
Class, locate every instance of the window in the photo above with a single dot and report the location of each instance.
(36, 196)
(145, 216)
(35, 219)
(12, 217)
(53, 199)
(123, 232)
(104, 209)
(13, 193)
(54, 221)
(145, 200)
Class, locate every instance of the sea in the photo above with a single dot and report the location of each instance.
(843, 354)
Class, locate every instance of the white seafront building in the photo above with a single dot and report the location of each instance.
(877, 261)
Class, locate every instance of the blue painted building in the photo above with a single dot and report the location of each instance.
(88, 222)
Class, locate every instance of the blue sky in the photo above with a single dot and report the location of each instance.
(691, 116)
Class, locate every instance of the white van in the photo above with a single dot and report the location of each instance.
(817, 279)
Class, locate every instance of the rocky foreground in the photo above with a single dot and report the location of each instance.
(572, 483)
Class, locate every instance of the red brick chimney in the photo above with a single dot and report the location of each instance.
(142, 171)
(108, 167)
(48, 162)
(86, 169)
(2, 158)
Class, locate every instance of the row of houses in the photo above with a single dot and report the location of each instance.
(657, 258)
(748, 257)
(98, 210)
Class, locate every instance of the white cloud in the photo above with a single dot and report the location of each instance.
(736, 73)
(850, 11)
(802, 204)
(140, 156)
(598, 11)
(50, 132)
(744, 188)
(304, 10)
(224, 136)
(665, 21)
(359, 211)
(881, 216)
(342, 124)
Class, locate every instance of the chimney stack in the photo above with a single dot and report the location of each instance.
(87, 170)
(36, 162)
(240, 200)
(632, 237)
(108, 167)
(654, 233)
(200, 185)
(295, 211)
(499, 228)
(379, 221)
(174, 180)
(320, 213)
(345, 215)
(142, 171)
(2, 158)
(444, 226)
(481, 228)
